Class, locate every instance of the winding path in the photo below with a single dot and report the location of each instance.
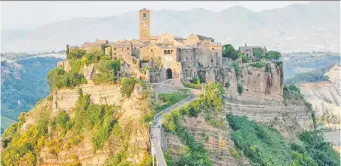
(155, 133)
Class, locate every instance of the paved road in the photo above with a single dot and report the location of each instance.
(157, 125)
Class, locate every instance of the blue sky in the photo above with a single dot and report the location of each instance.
(24, 15)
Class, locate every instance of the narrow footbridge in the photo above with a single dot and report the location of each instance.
(155, 134)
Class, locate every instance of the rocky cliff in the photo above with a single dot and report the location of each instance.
(129, 137)
(260, 99)
(325, 99)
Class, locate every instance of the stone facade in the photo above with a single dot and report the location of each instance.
(165, 56)
(249, 50)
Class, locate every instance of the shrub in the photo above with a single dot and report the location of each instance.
(75, 65)
(292, 95)
(236, 69)
(259, 64)
(170, 99)
(213, 96)
(240, 89)
(76, 54)
(106, 71)
(127, 86)
(63, 122)
(262, 145)
(58, 78)
(192, 86)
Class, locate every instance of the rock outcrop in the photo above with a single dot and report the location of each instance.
(261, 100)
(263, 80)
(325, 99)
(130, 120)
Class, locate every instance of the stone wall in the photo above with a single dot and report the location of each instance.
(65, 99)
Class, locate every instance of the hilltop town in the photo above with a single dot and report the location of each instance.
(158, 58)
(164, 99)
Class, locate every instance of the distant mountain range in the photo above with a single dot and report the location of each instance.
(299, 27)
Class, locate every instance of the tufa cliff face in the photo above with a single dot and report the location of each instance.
(130, 119)
(262, 80)
(129, 137)
(261, 100)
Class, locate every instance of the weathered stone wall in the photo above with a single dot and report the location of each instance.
(65, 99)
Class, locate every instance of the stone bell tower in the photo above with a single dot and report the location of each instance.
(144, 24)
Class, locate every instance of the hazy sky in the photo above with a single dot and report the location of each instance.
(24, 15)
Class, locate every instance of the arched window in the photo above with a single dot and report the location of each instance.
(171, 51)
(168, 51)
(165, 51)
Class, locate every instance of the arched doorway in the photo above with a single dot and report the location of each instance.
(169, 73)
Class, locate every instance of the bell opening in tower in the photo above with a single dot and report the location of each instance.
(144, 16)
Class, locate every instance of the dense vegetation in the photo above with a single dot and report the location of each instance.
(65, 131)
(58, 78)
(265, 146)
(195, 154)
(104, 66)
(106, 71)
(260, 144)
(22, 87)
(230, 52)
(194, 83)
(292, 95)
(170, 99)
(127, 86)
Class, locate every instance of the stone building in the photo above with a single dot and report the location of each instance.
(249, 50)
(94, 46)
(157, 58)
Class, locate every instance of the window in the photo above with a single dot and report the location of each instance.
(114, 48)
(114, 53)
(127, 48)
(179, 50)
(212, 48)
(171, 51)
(144, 16)
(165, 51)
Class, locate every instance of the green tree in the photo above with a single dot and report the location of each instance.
(67, 51)
(213, 96)
(273, 55)
(258, 53)
(110, 50)
(127, 86)
(229, 52)
(76, 53)
(244, 57)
